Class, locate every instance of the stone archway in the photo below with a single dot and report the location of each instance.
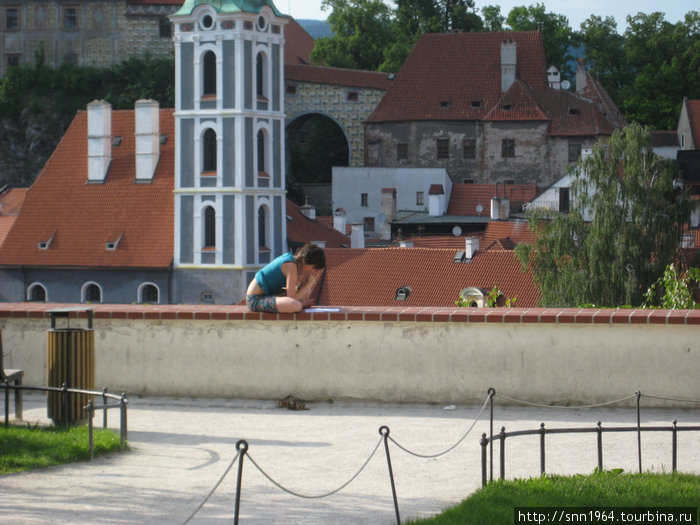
(315, 144)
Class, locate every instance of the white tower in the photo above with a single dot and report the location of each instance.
(230, 213)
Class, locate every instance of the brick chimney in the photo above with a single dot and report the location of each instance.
(147, 138)
(99, 137)
(508, 63)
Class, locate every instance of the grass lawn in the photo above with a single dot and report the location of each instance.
(494, 504)
(25, 448)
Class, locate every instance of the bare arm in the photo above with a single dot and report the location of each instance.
(290, 272)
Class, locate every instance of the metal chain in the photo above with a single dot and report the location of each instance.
(672, 398)
(428, 456)
(318, 496)
(216, 486)
(562, 406)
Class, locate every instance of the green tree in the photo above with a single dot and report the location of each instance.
(664, 62)
(604, 53)
(361, 32)
(634, 232)
(493, 19)
(557, 36)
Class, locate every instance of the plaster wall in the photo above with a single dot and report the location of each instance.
(394, 360)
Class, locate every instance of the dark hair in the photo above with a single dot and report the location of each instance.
(313, 255)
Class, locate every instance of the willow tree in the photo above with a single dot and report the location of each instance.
(624, 228)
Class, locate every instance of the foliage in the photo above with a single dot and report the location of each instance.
(650, 68)
(636, 220)
(674, 290)
(491, 299)
(24, 448)
(361, 32)
(495, 502)
(557, 36)
(37, 103)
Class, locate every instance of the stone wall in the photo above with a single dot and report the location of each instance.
(434, 355)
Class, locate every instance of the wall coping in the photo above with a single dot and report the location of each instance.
(363, 313)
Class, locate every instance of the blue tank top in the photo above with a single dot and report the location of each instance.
(270, 278)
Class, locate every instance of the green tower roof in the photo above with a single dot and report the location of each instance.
(231, 6)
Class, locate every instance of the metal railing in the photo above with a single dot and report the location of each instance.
(488, 441)
(90, 408)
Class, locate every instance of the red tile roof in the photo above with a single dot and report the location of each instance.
(458, 77)
(433, 276)
(516, 231)
(442, 241)
(337, 76)
(693, 109)
(458, 69)
(10, 203)
(667, 139)
(301, 229)
(298, 44)
(81, 218)
(594, 91)
(466, 198)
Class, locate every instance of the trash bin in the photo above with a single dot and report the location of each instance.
(70, 360)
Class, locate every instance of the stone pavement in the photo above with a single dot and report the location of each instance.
(181, 447)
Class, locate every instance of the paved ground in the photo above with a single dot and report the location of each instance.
(180, 448)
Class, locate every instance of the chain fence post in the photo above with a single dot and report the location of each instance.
(492, 392)
(483, 442)
(91, 412)
(384, 432)
(674, 445)
(6, 386)
(104, 412)
(542, 432)
(122, 417)
(639, 431)
(599, 429)
(242, 447)
(503, 452)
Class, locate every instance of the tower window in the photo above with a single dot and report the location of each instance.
(262, 227)
(209, 74)
(261, 152)
(209, 227)
(209, 151)
(261, 76)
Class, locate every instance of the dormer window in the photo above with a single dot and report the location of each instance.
(402, 293)
(444, 104)
(112, 245)
(476, 104)
(507, 107)
(574, 111)
(44, 245)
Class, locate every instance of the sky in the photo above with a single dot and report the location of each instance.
(575, 10)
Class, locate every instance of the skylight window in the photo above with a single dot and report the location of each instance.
(507, 107)
(44, 245)
(402, 293)
(444, 104)
(476, 104)
(574, 111)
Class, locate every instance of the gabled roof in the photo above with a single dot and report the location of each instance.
(457, 77)
(693, 110)
(337, 76)
(475, 199)
(10, 203)
(446, 73)
(76, 219)
(298, 44)
(668, 139)
(372, 277)
(595, 92)
(518, 103)
(301, 229)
